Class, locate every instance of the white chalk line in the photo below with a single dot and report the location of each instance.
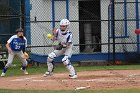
(130, 77)
(103, 80)
(24, 79)
(32, 79)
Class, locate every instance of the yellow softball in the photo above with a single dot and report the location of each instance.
(49, 35)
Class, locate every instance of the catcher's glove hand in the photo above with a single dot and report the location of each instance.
(25, 55)
(58, 47)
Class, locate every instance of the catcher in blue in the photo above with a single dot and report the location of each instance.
(64, 37)
(16, 46)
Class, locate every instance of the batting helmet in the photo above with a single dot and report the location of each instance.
(19, 30)
(65, 22)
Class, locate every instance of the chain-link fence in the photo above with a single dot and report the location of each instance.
(124, 19)
(11, 18)
(102, 29)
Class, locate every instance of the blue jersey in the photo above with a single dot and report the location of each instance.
(16, 43)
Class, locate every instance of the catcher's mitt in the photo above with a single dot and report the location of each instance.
(25, 55)
(58, 47)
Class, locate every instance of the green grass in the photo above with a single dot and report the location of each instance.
(60, 68)
(12, 71)
(72, 91)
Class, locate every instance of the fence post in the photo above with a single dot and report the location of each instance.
(113, 32)
(137, 23)
(67, 9)
(53, 14)
(27, 21)
(125, 17)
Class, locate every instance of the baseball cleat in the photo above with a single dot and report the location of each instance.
(24, 71)
(73, 76)
(2, 74)
(48, 74)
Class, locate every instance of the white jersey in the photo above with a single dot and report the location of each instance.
(64, 38)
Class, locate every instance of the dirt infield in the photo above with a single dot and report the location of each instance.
(88, 80)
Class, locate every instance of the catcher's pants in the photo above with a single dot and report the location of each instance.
(11, 56)
(65, 51)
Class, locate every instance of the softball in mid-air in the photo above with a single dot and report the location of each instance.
(49, 35)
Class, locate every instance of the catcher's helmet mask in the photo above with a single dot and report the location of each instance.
(64, 25)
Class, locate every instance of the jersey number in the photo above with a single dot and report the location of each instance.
(17, 47)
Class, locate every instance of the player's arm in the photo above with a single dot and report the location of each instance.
(53, 38)
(69, 41)
(25, 54)
(24, 47)
(54, 34)
(60, 46)
(68, 44)
(8, 44)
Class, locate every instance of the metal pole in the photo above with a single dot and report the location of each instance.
(113, 30)
(67, 9)
(109, 27)
(125, 16)
(137, 23)
(53, 14)
(21, 13)
(27, 26)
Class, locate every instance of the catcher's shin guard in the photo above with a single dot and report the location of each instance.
(71, 70)
(50, 69)
(50, 66)
(68, 65)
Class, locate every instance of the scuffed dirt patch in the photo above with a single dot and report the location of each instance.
(87, 80)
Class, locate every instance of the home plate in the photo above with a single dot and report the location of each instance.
(80, 88)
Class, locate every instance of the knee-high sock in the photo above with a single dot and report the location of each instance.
(5, 69)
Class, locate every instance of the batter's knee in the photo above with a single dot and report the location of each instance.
(8, 65)
(51, 56)
(66, 61)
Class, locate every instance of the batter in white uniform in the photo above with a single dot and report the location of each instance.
(64, 37)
